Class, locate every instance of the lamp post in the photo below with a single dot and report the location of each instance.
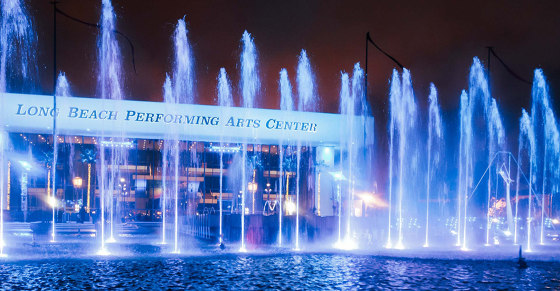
(268, 190)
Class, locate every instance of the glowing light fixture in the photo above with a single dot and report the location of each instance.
(338, 176)
(77, 182)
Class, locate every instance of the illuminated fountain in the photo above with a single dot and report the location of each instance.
(416, 160)
(112, 153)
(250, 85)
(16, 63)
(286, 104)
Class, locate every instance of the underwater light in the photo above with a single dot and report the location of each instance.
(338, 175)
(555, 221)
(103, 252)
(26, 165)
(347, 244)
(51, 201)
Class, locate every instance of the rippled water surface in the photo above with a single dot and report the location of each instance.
(283, 271)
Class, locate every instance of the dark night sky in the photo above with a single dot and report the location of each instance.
(436, 40)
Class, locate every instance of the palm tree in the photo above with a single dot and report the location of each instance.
(88, 156)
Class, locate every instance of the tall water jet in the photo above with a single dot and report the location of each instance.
(286, 104)
(180, 91)
(225, 100)
(62, 89)
(353, 109)
(250, 85)
(16, 61)
(403, 112)
(109, 84)
(169, 101)
(306, 102)
(394, 95)
(435, 136)
(357, 142)
(526, 138)
(346, 110)
(547, 145)
(479, 95)
(550, 163)
(496, 136)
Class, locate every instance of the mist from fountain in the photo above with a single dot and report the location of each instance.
(110, 87)
(286, 104)
(225, 100)
(250, 85)
(306, 102)
(435, 138)
(17, 53)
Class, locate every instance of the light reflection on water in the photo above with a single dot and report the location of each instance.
(297, 271)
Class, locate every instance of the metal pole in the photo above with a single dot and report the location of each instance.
(366, 66)
(55, 138)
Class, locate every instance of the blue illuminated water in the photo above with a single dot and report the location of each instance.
(277, 271)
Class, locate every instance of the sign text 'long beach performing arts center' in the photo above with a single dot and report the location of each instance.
(141, 119)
